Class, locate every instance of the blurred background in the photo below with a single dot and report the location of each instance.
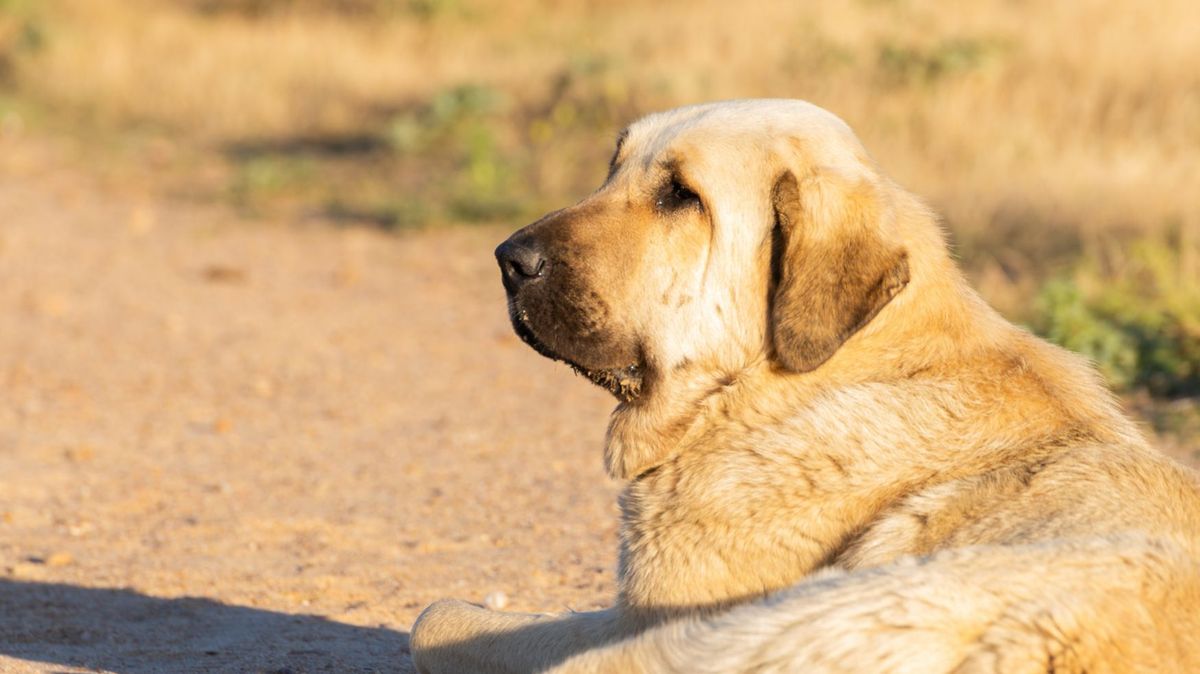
(1059, 141)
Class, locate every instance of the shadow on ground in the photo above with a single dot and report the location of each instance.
(130, 633)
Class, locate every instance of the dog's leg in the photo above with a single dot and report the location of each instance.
(454, 637)
(1103, 606)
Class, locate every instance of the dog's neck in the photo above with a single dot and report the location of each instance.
(691, 401)
(643, 434)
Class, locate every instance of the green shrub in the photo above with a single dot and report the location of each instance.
(1139, 321)
(261, 177)
(456, 138)
(1066, 317)
(904, 64)
(265, 8)
(22, 32)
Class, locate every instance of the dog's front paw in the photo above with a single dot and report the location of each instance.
(442, 624)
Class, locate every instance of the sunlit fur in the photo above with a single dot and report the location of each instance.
(931, 490)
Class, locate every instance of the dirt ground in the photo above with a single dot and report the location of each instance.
(264, 447)
(245, 446)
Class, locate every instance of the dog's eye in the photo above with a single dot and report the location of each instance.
(675, 195)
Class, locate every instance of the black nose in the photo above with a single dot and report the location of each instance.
(519, 263)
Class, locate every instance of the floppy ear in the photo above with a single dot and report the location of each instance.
(831, 266)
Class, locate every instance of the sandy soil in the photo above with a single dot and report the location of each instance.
(264, 447)
(231, 446)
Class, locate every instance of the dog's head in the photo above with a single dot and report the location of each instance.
(724, 234)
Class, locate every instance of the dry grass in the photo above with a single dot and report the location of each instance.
(1044, 132)
(1083, 114)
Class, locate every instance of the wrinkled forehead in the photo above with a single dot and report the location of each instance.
(746, 131)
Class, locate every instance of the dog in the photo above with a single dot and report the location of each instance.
(836, 456)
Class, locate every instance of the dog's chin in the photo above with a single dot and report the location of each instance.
(625, 383)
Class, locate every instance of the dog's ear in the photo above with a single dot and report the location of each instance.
(831, 268)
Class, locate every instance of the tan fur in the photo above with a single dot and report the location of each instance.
(847, 463)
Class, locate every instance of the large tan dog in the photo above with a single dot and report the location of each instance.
(838, 458)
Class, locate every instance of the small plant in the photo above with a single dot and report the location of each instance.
(391, 215)
(458, 135)
(264, 8)
(22, 32)
(259, 178)
(1067, 318)
(1140, 321)
(460, 110)
(431, 9)
(908, 64)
